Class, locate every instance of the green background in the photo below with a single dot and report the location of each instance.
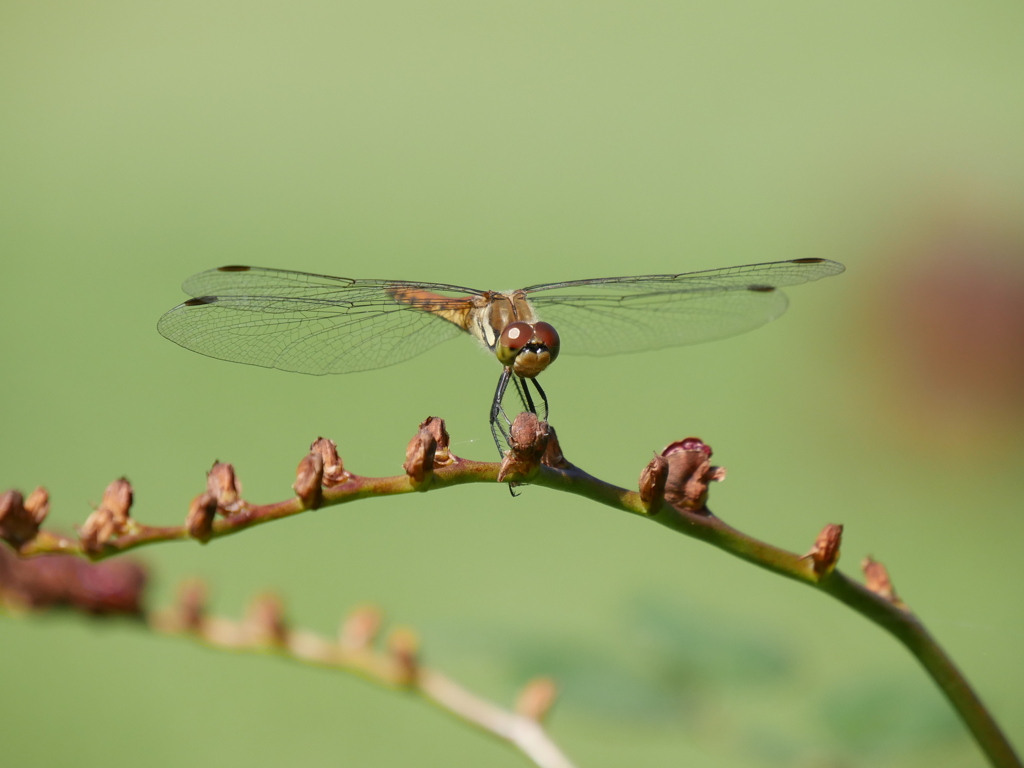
(498, 145)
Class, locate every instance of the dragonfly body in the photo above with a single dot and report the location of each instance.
(319, 324)
(486, 317)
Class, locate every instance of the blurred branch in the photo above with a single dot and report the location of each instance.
(396, 665)
(673, 491)
(117, 589)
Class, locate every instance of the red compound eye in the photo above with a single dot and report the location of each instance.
(546, 334)
(515, 336)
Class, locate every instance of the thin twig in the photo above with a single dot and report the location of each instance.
(395, 667)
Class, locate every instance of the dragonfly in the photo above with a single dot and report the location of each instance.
(318, 324)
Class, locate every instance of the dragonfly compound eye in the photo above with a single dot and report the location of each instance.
(546, 334)
(515, 336)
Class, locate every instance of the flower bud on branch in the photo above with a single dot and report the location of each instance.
(265, 621)
(225, 487)
(20, 518)
(359, 629)
(652, 484)
(528, 442)
(689, 473)
(309, 478)
(201, 512)
(876, 578)
(110, 519)
(825, 553)
(427, 451)
(334, 471)
(404, 646)
(537, 698)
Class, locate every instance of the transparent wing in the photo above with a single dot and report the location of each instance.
(311, 323)
(614, 315)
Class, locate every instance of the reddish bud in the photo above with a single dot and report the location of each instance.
(528, 441)
(19, 524)
(190, 607)
(537, 698)
(419, 457)
(114, 587)
(118, 500)
(876, 578)
(427, 451)
(360, 628)
(225, 486)
(48, 581)
(199, 521)
(309, 478)
(334, 472)
(693, 444)
(689, 473)
(403, 646)
(97, 530)
(652, 484)
(825, 553)
(553, 453)
(110, 519)
(38, 504)
(435, 426)
(266, 622)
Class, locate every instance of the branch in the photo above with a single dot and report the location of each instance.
(673, 491)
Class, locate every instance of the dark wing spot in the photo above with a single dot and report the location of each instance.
(761, 288)
(200, 300)
(233, 268)
(807, 261)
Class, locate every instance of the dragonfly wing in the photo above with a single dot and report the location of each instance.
(631, 314)
(311, 323)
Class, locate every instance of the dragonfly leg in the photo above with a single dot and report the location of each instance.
(523, 388)
(500, 421)
(543, 397)
(499, 430)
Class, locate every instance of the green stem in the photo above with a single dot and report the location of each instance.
(894, 618)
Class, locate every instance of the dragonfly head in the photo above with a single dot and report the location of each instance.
(527, 348)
